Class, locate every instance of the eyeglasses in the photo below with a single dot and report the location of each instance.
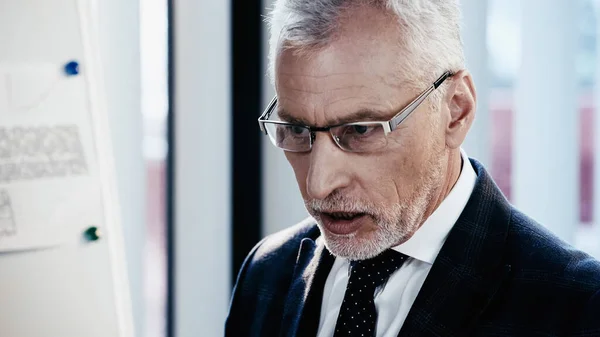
(351, 137)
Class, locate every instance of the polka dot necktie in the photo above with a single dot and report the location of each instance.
(358, 315)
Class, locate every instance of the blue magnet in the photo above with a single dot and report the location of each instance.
(72, 68)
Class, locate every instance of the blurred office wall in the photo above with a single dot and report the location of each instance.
(119, 34)
(133, 38)
(154, 111)
(201, 178)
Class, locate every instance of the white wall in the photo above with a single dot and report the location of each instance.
(545, 177)
(118, 23)
(474, 34)
(202, 173)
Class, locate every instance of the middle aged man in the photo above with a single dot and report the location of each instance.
(408, 236)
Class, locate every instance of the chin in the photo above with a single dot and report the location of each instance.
(358, 245)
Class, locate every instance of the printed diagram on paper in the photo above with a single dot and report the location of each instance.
(7, 219)
(28, 153)
(47, 186)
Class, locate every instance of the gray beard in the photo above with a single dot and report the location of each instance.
(395, 224)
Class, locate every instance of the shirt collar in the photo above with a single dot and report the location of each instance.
(428, 240)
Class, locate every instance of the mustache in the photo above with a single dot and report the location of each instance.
(339, 203)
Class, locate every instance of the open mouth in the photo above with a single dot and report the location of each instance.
(344, 216)
(342, 223)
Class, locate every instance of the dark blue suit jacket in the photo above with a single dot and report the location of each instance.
(498, 274)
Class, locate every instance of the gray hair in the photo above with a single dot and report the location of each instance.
(430, 32)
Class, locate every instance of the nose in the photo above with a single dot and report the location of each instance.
(328, 168)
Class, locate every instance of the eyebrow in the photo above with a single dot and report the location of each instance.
(362, 115)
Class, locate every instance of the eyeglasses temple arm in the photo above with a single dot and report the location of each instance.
(266, 114)
(402, 115)
(442, 78)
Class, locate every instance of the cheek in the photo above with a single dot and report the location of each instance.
(402, 167)
(300, 164)
(414, 145)
(406, 153)
(386, 174)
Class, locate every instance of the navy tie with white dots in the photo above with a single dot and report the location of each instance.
(358, 315)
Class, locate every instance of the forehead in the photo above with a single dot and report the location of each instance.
(360, 66)
(367, 40)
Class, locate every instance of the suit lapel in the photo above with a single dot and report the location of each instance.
(469, 269)
(303, 304)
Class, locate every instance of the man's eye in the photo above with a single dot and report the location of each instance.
(297, 130)
(360, 129)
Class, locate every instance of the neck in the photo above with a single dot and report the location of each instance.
(452, 172)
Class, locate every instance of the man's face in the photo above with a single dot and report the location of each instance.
(364, 203)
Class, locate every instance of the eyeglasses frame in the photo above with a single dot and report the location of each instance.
(388, 126)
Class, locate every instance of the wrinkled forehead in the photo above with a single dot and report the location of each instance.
(343, 78)
(366, 46)
(328, 77)
(360, 68)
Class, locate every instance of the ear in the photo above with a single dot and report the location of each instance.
(461, 100)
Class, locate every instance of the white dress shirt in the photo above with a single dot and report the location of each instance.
(395, 300)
